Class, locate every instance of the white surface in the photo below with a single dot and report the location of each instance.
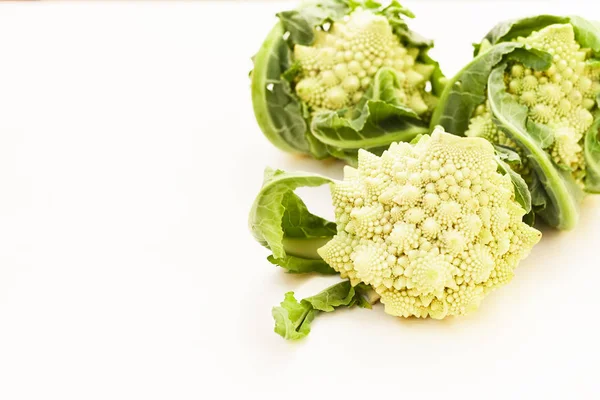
(129, 158)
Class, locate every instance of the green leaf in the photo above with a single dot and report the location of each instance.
(297, 222)
(532, 58)
(385, 88)
(593, 63)
(587, 33)
(316, 148)
(293, 318)
(522, 194)
(337, 295)
(540, 133)
(466, 90)
(395, 14)
(277, 111)
(529, 218)
(507, 154)
(297, 265)
(367, 4)
(379, 125)
(562, 197)
(539, 197)
(438, 80)
(379, 120)
(366, 296)
(278, 215)
(592, 156)
(301, 23)
(480, 48)
(512, 29)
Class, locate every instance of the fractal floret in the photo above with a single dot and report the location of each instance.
(532, 90)
(336, 76)
(431, 227)
(342, 62)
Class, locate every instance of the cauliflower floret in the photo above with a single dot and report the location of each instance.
(559, 97)
(437, 238)
(340, 65)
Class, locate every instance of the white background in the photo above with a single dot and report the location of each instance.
(129, 158)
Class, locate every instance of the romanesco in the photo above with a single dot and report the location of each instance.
(559, 97)
(532, 90)
(432, 227)
(335, 76)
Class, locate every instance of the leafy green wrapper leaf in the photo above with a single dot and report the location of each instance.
(512, 29)
(276, 109)
(587, 33)
(280, 221)
(438, 80)
(539, 197)
(522, 195)
(592, 156)
(293, 319)
(531, 58)
(301, 23)
(297, 222)
(507, 154)
(337, 295)
(467, 89)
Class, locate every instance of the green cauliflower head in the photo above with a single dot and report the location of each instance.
(560, 97)
(532, 89)
(432, 227)
(335, 76)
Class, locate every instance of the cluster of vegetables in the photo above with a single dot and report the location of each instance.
(445, 176)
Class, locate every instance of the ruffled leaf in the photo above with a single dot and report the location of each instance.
(512, 29)
(277, 110)
(293, 319)
(280, 221)
(592, 156)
